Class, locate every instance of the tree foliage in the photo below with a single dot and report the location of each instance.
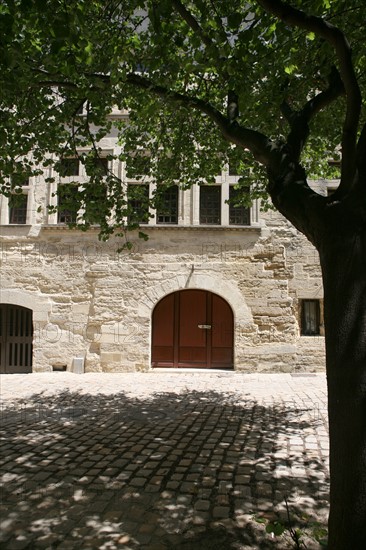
(192, 76)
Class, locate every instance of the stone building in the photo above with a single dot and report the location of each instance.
(214, 286)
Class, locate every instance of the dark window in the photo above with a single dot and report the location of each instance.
(210, 204)
(138, 166)
(69, 167)
(97, 165)
(95, 200)
(170, 167)
(310, 317)
(102, 163)
(233, 168)
(67, 204)
(167, 207)
(138, 203)
(18, 209)
(238, 214)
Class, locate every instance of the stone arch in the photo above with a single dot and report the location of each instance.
(228, 290)
(40, 305)
(201, 281)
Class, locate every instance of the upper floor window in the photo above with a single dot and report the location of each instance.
(66, 211)
(73, 166)
(210, 204)
(69, 167)
(138, 203)
(102, 164)
(169, 166)
(238, 214)
(96, 166)
(167, 208)
(138, 166)
(18, 208)
(233, 168)
(95, 202)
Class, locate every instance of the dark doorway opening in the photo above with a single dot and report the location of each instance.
(16, 339)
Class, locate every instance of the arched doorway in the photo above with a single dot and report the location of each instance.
(192, 328)
(16, 339)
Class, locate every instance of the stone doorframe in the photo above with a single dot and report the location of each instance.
(41, 309)
(201, 281)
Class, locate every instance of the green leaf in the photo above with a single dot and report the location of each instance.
(290, 69)
(260, 520)
(276, 528)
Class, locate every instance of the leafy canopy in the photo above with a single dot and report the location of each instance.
(187, 72)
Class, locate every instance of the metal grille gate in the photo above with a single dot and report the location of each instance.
(16, 337)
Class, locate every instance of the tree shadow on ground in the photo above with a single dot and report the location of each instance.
(187, 471)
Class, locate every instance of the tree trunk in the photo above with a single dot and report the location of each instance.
(343, 260)
(337, 227)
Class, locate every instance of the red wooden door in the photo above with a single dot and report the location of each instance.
(192, 328)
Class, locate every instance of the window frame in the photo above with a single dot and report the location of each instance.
(172, 210)
(144, 219)
(18, 209)
(60, 212)
(64, 173)
(243, 211)
(203, 217)
(305, 329)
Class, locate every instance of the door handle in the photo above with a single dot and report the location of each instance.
(207, 327)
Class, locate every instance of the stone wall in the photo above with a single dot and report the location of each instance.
(93, 302)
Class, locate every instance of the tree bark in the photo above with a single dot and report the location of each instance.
(338, 230)
(343, 261)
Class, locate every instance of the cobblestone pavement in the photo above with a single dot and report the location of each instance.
(161, 460)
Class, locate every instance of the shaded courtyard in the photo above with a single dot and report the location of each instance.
(161, 461)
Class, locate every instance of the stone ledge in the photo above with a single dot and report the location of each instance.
(251, 228)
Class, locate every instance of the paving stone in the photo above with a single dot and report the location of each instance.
(220, 512)
(138, 482)
(203, 505)
(173, 485)
(18, 544)
(224, 448)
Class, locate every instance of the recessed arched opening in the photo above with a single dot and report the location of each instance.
(193, 329)
(16, 338)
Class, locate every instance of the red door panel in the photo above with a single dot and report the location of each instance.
(222, 332)
(192, 328)
(192, 313)
(192, 346)
(163, 330)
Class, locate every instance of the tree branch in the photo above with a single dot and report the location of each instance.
(299, 120)
(336, 38)
(256, 142)
(192, 22)
(206, 40)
